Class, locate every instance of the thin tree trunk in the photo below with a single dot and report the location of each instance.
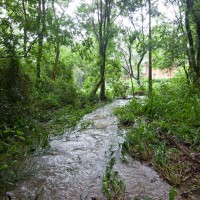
(55, 66)
(101, 51)
(198, 47)
(94, 91)
(192, 63)
(186, 74)
(186, 47)
(138, 70)
(150, 52)
(102, 34)
(25, 26)
(57, 46)
(41, 28)
(40, 40)
(102, 71)
(132, 87)
(130, 59)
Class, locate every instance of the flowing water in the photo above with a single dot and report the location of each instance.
(74, 166)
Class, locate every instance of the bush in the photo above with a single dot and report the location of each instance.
(15, 85)
(66, 92)
(55, 94)
(120, 89)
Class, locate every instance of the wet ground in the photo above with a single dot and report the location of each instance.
(74, 166)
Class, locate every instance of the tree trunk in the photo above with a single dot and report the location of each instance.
(94, 91)
(130, 60)
(102, 89)
(138, 70)
(57, 51)
(102, 32)
(25, 26)
(150, 51)
(57, 46)
(197, 20)
(41, 28)
(102, 64)
(185, 46)
(40, 39)
(186, 74)
(132, 87)
(192, 63)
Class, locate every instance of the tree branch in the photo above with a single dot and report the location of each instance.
(29, 49)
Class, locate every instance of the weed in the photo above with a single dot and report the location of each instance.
(86, 124)
(113, 185)
(172, 193)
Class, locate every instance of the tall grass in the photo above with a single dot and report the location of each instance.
(165, 130)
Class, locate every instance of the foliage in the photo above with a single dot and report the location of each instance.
(30, 128)
(113, 185)
(120, 89)
(49, 58)
(58, 120)
(56, 93)
(14, 84)
(164, 129)
(29, 114)
(20, 133)
(172, 193)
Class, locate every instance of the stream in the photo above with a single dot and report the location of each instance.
(74, 166)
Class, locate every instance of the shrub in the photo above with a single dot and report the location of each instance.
(120, 89)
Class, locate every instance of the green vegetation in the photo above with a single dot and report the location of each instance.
(29, 118)
(164, 131)
(56, 65)
(113, 184)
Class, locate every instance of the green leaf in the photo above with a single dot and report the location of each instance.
(19, 133)
(3, 167)
(21, 137)
(172, 193)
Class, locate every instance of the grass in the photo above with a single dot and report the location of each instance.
(57, 121)
(113, 184)
(164, 130)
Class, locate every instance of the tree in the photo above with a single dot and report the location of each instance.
(192, 15)
(99, 22)
(134, 41)
(57, 40)
(102, 32)
(40, 31)
(150, 50)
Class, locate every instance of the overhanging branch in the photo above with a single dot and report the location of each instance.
(28, 50)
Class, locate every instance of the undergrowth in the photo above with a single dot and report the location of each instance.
(27, 122)
(165, 131)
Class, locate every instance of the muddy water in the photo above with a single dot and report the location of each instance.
(74, 166)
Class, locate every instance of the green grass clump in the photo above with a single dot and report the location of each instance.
(165, 131)
(113, 184)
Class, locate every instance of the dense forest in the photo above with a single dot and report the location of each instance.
(61, 59)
